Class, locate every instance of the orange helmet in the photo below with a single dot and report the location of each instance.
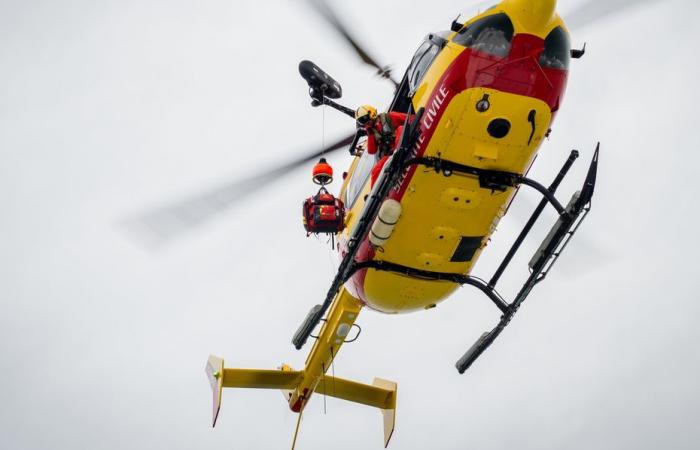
(322, 173)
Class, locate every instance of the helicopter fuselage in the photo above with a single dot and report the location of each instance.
(486, 107)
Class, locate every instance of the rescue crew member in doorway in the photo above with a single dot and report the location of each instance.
(383, 133)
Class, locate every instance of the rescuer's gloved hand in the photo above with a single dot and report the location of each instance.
(365, 114)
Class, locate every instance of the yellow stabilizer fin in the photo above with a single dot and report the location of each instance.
(380, 394)
(219, 378)
(215, 372)
(389, 413)
(261, 378)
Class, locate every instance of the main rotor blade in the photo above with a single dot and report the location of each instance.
(168, 222)
(322, 7)
(593, 10)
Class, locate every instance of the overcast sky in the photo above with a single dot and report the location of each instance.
(111, 108)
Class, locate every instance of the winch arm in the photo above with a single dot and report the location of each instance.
(318, 101)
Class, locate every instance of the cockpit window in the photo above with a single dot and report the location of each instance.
(491, 34)
(557, 50)
(359, 177)
(421, 63)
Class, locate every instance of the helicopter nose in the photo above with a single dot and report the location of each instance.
(533, 15)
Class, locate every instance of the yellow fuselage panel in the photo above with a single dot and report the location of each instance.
(439, 211)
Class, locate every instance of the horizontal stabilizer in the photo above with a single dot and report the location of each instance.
(261, 378)
(219, 378)
(380, 394)
(370, 395)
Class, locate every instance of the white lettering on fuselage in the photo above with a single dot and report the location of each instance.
(414, 152)
(433, 109)
(428, 121)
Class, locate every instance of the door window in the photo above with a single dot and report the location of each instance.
(359, 177)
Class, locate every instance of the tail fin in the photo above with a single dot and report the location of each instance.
(388, 413)
(215, 374)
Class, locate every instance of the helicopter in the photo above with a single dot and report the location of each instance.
(478, 101)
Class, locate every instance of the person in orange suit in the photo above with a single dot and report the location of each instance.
(383, 133)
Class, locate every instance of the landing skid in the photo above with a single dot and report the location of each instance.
(546, 255)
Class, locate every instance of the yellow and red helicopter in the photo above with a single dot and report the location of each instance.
(477, 102)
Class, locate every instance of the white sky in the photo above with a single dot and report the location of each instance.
(109, 108)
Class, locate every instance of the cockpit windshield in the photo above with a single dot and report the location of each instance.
(424, 57)
(557, 50)
(491, 34)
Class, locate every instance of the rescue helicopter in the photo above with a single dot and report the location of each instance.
(429, 182)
